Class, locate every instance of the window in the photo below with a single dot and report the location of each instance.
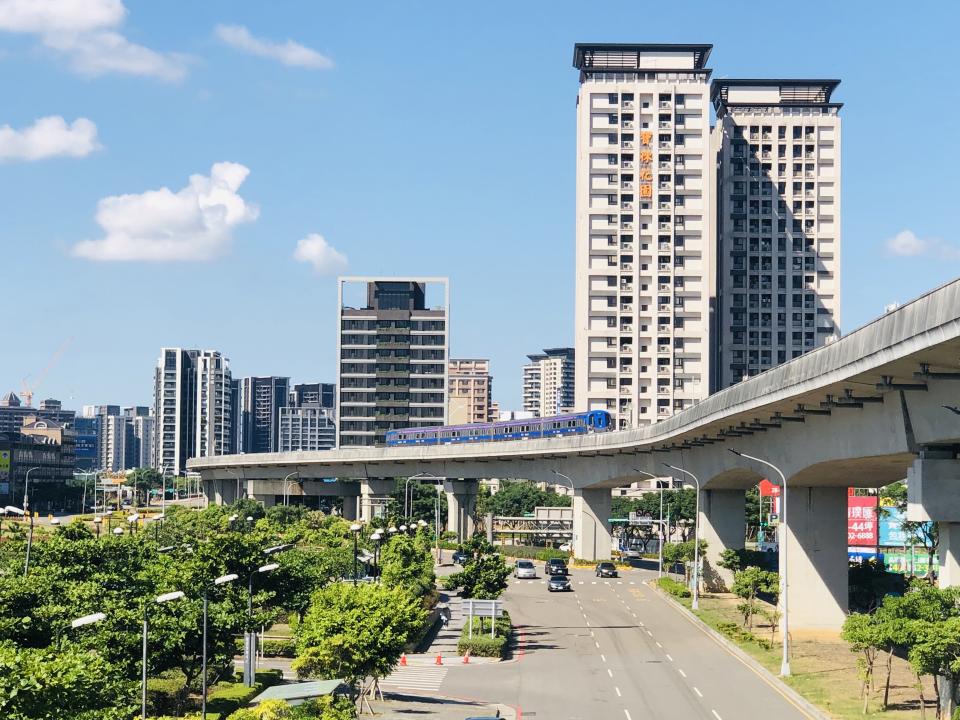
(612, 99)
(612, 139)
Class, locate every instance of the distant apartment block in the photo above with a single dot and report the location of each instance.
(778, 149)
(644, 273)
(393, 348)
(305, 428)
(13, 412)
(192, 407)
(549, 382)
(259, 402)
(470, 392)
(320, 394)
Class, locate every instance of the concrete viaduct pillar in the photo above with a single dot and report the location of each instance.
(591, 528)
(933, 494)
(374, 495)
(816, 545)
(461, 506)
(723, 526)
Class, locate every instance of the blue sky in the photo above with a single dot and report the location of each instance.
(393, 138)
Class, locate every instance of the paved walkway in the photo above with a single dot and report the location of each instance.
(445, 641)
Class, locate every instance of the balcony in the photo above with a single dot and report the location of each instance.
(664, 145)
(664, 124)
(626, 185)
(628, 103)
(627, 163)
(627, 144)
(663, 328)
(665, 104)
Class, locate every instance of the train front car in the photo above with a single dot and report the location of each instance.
(531, 428)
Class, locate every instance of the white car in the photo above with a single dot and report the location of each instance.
(524, 570)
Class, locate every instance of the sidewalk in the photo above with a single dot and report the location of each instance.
(400, 705)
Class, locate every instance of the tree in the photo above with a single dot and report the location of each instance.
(870, 583)
(405, 562)
(356, 632)
(674, 553)
(516, 499)
(923, 533)
(484, 574)
(936, 651)
(866, 637)
(748, 584)
(143, 481)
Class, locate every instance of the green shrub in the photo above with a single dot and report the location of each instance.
(279, 647)
(227, 697)
(529, 552)
(167, 694)
(483, 646)
(677, 589)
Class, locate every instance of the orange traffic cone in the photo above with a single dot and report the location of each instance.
(439, 660)
(466, 658)
(403, 660)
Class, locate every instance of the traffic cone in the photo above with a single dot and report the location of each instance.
(439, 660)
(403, 660)
(466, 658)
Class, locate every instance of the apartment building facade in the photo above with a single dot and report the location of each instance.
(392, 355)
(777, 144)
(192, 407)
(644, 265)
(259, 402)
(470, 392)
(321, 394)
(549, 382)
(306, 427)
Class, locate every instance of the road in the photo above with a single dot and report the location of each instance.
(615, 649)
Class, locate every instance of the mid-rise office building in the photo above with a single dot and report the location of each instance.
(470, 392)
(644, 266)
(42, 447)
(392, 354)
(192, 407)
(320, 394)
(777, 144)
(549, 382)
(260, 401)
(13, 412)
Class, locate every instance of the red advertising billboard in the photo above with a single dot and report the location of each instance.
(768, 489)
(862, 520)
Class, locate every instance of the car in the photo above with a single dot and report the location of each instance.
(460, 557)
(606, 569)
(555, 566)
(524, 569)
(559, 583)
(631, 553)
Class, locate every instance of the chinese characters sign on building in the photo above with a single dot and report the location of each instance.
(646, 159)
(862, 520)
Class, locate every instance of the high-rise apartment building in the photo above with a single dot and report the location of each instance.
(260, 401)
(192, 407)
(778, 148)
(320, 394)
(644, 266)
(470, 392)
(549, 382)
(306, 427)
(392, 354)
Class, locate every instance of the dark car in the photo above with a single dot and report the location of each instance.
(555, 566)
(559, 583)
(460, 557)
(606, 569)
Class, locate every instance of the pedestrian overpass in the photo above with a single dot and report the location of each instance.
(876, 406)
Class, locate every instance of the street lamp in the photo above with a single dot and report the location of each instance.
(355, 529)
(696, 538)
(98, 521)
(286, 495)
(782, 548)
(118, 531)
(223, 579)
(160, 599)
(249, 638)
(26, 488)
(22, 512)
(592, 519)
(406, 512)
(662, 533)
(376, 537)
(132, 520)
(80, 622)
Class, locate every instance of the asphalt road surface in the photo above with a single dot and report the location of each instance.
(615, 649)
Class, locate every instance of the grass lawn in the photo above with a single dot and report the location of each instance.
(824, 670)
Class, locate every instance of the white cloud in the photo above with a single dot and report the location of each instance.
(48, 137)
(906, 244)
(195, 223)
(289, 52)
(315, 250)
(85, 31)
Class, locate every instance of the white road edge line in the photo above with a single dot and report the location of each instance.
(697, 691)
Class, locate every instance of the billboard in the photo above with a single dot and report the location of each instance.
(862, 521)
(891, 528)
(5, 460)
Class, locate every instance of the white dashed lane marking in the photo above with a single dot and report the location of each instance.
(618, 691)
(716, 714)
(697, 691)
(682, 673)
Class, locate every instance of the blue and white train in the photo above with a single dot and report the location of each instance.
(556, 426)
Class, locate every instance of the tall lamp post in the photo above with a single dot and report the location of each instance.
(222, 580)
(696, 537)
(376, 537)
(355, 530)
(592, 519)
(249, 643)
(782, 548)
(406, 485)
(286, 495)
(662, 533)
(160, 599)
(22, 512)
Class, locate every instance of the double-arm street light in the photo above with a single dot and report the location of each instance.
(782, 548)
(222, 580)
(286, 495)
(662, 532)
(696, 537)
(589, 515)
(249, 643)
(160, 599)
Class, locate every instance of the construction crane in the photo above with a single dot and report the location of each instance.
(27, 390)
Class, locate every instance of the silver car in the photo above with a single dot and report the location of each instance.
(524, 570)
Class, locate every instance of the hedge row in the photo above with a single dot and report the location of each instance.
(279, 647)
(527, 552)
(225, 698)
(677, 589)
(481, 644)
